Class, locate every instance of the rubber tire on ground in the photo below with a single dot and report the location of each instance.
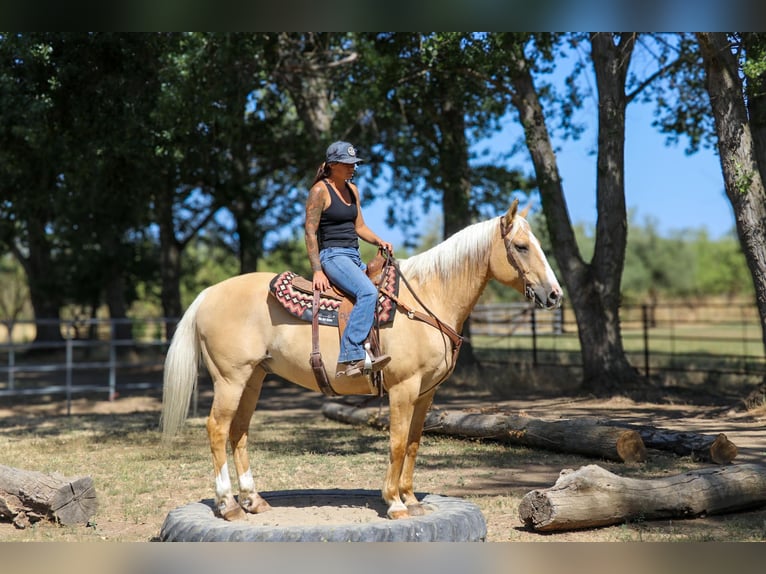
(449, 520)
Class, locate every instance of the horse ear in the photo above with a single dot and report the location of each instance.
(509, 216)
(524, 212)
(512, 211)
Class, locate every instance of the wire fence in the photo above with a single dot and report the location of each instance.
(96, 355)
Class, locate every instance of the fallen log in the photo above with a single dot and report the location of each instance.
(28, 496)
(700, 447)
(591, 497)
(580, 436)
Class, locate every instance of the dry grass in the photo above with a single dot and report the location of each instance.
(295, 446)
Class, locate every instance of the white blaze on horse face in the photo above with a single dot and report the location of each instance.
(550, 276)
(222, 482)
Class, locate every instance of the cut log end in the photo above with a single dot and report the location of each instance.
(535, 511)
(630, 447)
(722, 450)
(75, 502)
(29, 496)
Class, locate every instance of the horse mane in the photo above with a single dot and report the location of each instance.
(448, 259)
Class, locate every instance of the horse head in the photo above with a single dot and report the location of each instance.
(518, 260)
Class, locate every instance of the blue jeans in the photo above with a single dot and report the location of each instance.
(344, 267)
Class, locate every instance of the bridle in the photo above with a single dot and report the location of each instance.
(508, 232)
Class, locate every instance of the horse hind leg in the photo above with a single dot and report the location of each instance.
(218, 425)
(230, 388)
(249, 499)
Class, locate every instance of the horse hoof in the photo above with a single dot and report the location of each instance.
(234, 513)
(416, 510)
(256, 505)
(398, 514)
(261, 507)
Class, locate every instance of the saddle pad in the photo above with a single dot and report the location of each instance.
(298, 302)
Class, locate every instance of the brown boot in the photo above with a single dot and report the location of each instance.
(356, 368)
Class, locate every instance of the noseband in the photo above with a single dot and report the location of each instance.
(508, 232)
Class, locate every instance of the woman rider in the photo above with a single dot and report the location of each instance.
(334, 224)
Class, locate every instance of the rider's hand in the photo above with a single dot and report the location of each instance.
(320, 281)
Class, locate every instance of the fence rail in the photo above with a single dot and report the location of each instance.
(95, 355)
(723, 338)
(90, 356)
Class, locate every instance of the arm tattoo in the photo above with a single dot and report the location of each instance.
(314, 208)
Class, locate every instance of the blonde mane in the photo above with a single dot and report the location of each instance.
(445, 260)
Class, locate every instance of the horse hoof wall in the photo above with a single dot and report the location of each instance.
(256, 505)
(234, 514)
(262, 507)
(398, 514)
(416, 510)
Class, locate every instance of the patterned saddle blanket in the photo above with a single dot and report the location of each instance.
(296, 295)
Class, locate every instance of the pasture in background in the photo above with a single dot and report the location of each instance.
(706, 346)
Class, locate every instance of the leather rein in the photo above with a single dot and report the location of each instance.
(429, 317)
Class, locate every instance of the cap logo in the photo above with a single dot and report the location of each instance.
(351, 151)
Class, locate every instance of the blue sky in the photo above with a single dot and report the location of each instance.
(677, 191)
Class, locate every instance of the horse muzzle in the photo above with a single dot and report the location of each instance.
(547, 299)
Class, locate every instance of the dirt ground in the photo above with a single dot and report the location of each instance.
(746, 429)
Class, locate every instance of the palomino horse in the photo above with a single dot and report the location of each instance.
(243, 333)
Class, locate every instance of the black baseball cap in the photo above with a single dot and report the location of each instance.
(342, 152)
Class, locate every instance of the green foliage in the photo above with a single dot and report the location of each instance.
(426, 97)
(127, 157)
(205, 264)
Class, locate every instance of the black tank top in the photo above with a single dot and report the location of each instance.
(337, 224)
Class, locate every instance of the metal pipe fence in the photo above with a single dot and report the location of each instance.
(715, 338)
(91, 356)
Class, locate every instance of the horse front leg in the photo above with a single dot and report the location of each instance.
(406, 479)
(402, 398)
(249, 499)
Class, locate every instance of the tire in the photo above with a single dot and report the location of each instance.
(447, 520)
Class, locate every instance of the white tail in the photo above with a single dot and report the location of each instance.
(181, 371)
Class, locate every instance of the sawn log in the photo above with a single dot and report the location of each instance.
(593, 496)
(580, 436)
(27, 496)
(700, 447)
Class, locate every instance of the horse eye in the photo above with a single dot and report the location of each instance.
(522, 247)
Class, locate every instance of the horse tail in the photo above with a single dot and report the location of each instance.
(181, 371)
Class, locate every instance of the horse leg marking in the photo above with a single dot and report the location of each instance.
(223, 482)
(225, 504)
(246, 481)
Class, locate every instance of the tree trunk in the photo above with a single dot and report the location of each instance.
(456, 192)
(739, 147)
(594, 288)
(580, 436)
(592, 496)
(29, 496)
(44, 293)
(115, 299)
(170, 260)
